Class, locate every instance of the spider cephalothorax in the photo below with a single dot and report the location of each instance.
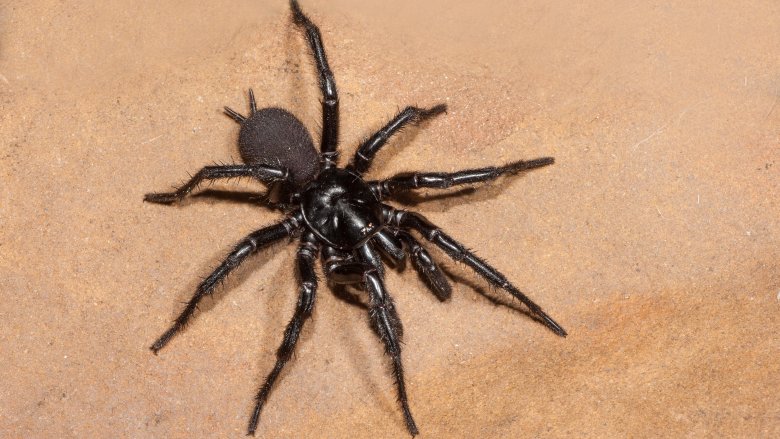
(340, 216)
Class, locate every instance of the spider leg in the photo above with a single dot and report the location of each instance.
(366, 152)
(264, 173)
(367, 255)
(387, 325)
(249, 245)
(361, 268)
(441, 180)
(426, 267)
(307, 254)
(330, 97)
(415, 221)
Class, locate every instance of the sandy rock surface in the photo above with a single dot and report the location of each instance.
(654, 239)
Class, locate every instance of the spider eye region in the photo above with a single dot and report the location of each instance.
(340, 209)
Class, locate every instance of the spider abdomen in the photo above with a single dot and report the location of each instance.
(274, 136)
(340, 208)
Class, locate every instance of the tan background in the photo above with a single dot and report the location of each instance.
(654, 239)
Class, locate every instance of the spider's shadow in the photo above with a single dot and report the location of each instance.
(442, 200)
(348, 295)
(237, 197)
(359, 352)
(413, 198)
(491, 295)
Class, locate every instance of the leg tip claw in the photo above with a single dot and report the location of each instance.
(554, 327)
(438, 109)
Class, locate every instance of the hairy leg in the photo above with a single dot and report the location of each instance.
(330, 97)
(307, 254)
(249, 245)
(390, 245)
(443, 180)
(384, 319)
(456, 250)
(387, 325)
(264, 173)
(410, 115)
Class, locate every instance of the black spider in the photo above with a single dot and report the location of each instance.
(336, 212)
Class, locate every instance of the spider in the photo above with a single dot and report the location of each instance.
(340, 217)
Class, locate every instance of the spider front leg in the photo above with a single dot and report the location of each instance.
(264, 173)
(249, 245)
(443, 180)
(456, 250)
(307, 254)
(330, 97)
(366, 152)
